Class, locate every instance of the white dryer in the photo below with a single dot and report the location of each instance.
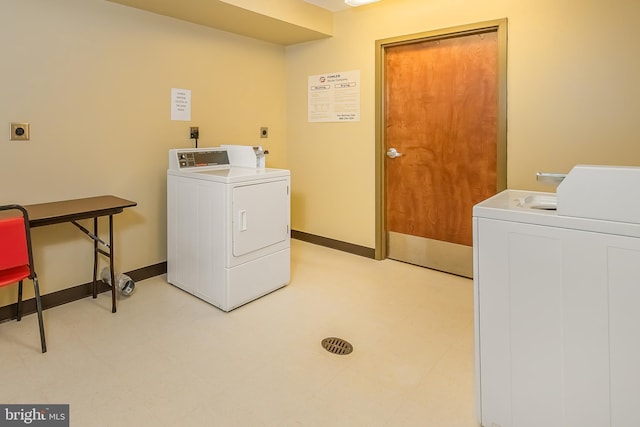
(228, 226)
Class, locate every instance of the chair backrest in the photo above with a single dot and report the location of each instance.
(13, 243)
(15, 239)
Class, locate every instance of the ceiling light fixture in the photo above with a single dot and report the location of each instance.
(355, 3)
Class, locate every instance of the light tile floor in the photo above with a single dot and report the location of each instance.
(169, 359)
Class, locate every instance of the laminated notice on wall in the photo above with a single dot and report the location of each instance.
(334, 97)
(181, 104)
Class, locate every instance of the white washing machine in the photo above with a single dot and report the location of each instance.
(228, 224)
(557, 293)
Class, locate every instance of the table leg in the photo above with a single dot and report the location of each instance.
(95, 258)
(113, 278)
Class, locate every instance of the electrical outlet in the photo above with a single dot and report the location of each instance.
(194, 132)
(19, 132)
(264, 132)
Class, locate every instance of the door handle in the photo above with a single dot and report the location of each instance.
(393, 153)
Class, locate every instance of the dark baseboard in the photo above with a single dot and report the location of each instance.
(74, 293)
(334, 244)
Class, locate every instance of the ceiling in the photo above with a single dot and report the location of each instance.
(332, 5)
(291, 22)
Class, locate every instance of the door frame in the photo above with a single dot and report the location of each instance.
(499, 25)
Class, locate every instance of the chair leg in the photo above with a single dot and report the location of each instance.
(19, 309)
(36, 290)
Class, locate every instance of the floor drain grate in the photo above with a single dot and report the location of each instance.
(337, 345)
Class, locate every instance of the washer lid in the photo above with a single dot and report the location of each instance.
(231, 174)
(508, 206)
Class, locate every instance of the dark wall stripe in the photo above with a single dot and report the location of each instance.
(74, 293)
(334, 244)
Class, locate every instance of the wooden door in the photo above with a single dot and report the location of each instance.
(441, 116)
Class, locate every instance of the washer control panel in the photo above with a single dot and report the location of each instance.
(199, 158)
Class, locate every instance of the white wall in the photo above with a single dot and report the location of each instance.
(573, 97)
(94, 80)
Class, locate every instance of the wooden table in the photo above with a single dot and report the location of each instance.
(74, 210)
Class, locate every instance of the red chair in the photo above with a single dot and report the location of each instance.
(16, 259)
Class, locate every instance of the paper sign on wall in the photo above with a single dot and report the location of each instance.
(334, 97)
(181, 104)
